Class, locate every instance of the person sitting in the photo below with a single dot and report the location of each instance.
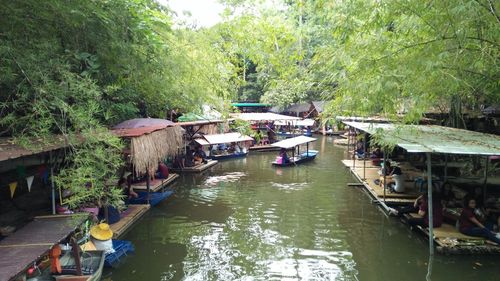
(284, 156)
(232, 148)
(163, 172)
(470, 225)
(385, 170)
(200, 154)
(396, 181)
(101, 236)
(359, 152)
(437, 210)
(125, 183)
(238, 149)
(377, 153)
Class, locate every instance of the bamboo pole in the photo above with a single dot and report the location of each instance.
(52, 184)
(429, 204)
(485, 183)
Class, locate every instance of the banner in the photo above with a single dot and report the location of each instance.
(29, 181)
(12, 186)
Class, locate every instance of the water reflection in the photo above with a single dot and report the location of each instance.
(247, 220)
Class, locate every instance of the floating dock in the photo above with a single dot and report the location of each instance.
(196, 169)
(156, 184)
(128, 218)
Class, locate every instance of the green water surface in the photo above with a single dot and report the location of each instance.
(247, 220)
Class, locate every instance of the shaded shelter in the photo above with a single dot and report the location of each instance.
(151, 140)
(430, 139)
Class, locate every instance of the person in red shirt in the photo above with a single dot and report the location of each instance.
(162, 171)
(470, 225)
(437, 210)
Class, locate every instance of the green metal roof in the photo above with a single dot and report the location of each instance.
(250, 104)
(434, 139)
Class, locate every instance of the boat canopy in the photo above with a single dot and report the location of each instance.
(263, 117)
(292, 142)
(222, 138)
(434, 139)
(305, 122)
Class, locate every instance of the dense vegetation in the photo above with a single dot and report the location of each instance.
(77, 67)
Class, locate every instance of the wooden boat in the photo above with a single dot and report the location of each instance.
(229, 156)
(92, 263)
(216, 139)
(154, 197)
(196, 169)
(297, 156)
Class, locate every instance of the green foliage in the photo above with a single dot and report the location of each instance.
(74, 68)
(241, 126)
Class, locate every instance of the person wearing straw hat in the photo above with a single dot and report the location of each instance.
(101, 236)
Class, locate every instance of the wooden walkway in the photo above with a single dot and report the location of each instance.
(128, 218)
(367, 177)
(19, 250)
(155, 184)
(196, 169)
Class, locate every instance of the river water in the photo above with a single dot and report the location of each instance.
(247, 220)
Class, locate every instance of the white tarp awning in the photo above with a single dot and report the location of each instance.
(263, 117)
(434, 139)
(305, 122)
(292, 142)
(222, 138)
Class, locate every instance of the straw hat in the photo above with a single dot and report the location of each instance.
(101, 232)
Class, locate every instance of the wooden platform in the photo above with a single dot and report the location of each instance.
(19, 250)
(128, 218)
(451, 241)
(341, 141)
(359, 163)
(196, 169)
(155, 184)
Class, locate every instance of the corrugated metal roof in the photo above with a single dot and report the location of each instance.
(263, 116)
(305, 122)
(223, 138)
(298, 108)
(435, 139)
(10, 150)
(319, 105)
(292, 142)
(199, 123)
(251, 104)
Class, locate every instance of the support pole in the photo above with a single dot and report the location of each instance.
(364, 160)
(76, 255)
(384, 171)
(445, 167)
(52, 184)
(429, 204)
(148, 185)
(485, 183)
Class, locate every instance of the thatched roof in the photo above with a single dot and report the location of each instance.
(147, 150)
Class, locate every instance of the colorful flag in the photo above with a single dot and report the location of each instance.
(29, 181)
(12, 186)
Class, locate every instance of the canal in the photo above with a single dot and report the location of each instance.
(246, 220)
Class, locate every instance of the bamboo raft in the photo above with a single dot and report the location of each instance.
(155, 184)
(196, 169)
(128, 218)
(450, 241)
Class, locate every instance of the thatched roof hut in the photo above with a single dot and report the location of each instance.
(151, 140)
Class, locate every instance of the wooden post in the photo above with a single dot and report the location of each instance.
(52, 184)
(445, 168)
(364, 160)
(384, 171)
(485, 183)
(429, 204)
(76, 255)
(148, 185)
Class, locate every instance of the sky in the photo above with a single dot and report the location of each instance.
(204, 13)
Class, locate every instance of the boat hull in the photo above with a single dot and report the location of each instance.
(154, 197)
(228, 156)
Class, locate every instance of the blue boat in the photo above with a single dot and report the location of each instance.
(122, 249)
(154, 197)
(229, 156)
(297, 156)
